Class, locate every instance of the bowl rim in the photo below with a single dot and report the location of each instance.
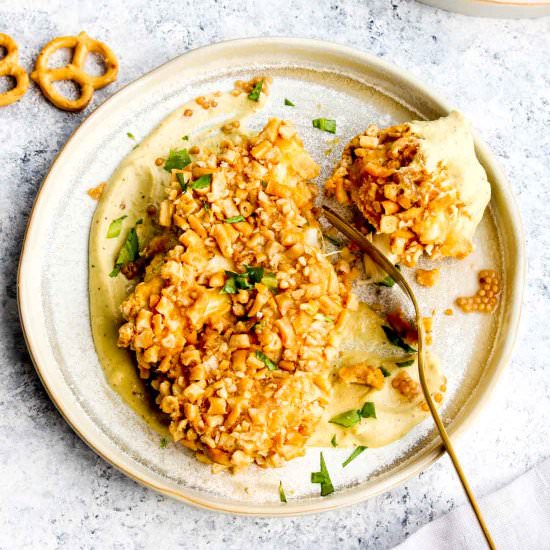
(428, 455)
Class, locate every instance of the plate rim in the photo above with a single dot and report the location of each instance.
(429, 454)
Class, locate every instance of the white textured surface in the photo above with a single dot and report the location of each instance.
(54, 492)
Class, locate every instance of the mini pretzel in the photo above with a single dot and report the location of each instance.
(9, 66)
(82, 44)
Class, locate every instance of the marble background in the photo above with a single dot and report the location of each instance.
(54, 491)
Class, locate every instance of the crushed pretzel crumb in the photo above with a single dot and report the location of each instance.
(427, 277)
(96, 192)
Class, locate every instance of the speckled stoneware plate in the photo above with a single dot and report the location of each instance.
(323, 80)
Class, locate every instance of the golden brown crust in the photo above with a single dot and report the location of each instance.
(81, 45)
(9, 66)
(382, 173)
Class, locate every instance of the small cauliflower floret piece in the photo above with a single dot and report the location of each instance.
(362, 373)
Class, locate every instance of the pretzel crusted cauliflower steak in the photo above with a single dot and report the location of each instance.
(236, 322)
(419, 183)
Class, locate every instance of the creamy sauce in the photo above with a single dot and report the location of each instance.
(395, 414)
(137, 183)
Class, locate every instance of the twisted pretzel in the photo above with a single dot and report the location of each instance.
(82, 45)
(9, 66)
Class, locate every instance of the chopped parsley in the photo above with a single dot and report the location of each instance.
(323, 478)
(254, 274)
(270, 281)
(368, 410)
(185, 138)
(328, 319)
(407, 363)
(206, 206)
(181, 180)
(396, 340)
(386, 281)
(235, 219)
(247, 280)
(114, 227)
(333, 441)
(254, 95)
(129, 251)
(351, 418)
(130, 135)
(266, 361)
(289, 103)
(332, 240)
(282, 496)
(325, 124)
(346, 419)
(385, 372)
(177, 160)
(263, 183)
(201, 183)
(356, 452)
(230, 286)
(163, 443)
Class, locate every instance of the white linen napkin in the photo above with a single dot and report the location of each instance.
(518, 516)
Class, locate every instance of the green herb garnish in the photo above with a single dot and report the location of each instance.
(289, 103)
(386, 281)
(263, 183)
(368, 410)
(247, 280)
(201, 183)
(282, 496)
(323, 478)
(185, 138)
(325, 124)
(206, 206)
(270, 281)
(385, 372)
(333, 441)
(177, 160)
(254, 274)
(334, 241)
(407, 363)
(114, 227)
(230, 286)
(129, 251)
(130, 135)
(396, 340)
(254, 95)
(346, 419)
(163, 443)
(328, 319)
(350, 418)
(266, 361)
(235, 219)
(356, 452)
(181, 181)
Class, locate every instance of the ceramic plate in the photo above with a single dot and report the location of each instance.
(322, 79)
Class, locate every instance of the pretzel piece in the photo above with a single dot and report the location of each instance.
(81, 45)
(9, 66)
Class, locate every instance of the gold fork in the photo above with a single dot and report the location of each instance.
(378, 258)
